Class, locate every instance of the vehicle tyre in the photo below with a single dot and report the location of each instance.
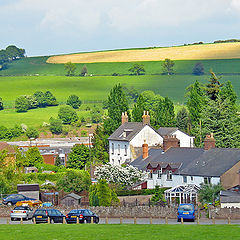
(97, 221)
(12, 219)
(9, 204)
(52, 221)
(178, 220)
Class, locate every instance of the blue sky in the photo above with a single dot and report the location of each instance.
(45, 27)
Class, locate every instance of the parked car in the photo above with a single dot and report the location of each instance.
(84, 216)
(23, 212)
(186, 211)
(41, 215)
(14, 198)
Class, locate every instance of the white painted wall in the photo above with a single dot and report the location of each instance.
(185, 140)
(177, 180)
(230, 205)
(116, 157)
(147, 133)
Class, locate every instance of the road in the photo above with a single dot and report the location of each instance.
(139, 221)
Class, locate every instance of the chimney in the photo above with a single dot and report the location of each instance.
(209, 142)
(146, 118)
(145, 149)
(170, 141)
(124, 117)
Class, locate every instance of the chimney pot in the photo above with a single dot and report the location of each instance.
(146, 118)
(145, 149)
(124, 117)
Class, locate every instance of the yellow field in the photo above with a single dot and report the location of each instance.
(205, 51)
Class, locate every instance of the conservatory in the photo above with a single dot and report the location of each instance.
(182, 194)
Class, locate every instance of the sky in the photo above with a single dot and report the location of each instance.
(48, 27)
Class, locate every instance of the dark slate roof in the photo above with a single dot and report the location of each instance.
(173, 156)
(166, 131)
(213, 162)
(229, 197)
(130, 128)
(194, 161)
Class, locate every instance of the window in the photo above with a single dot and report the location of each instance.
(118, 149)
(207, 180)
(185, 179)
(159, 173)
(125, 147)
(150, 174)
(112, 161)
(169, 176)
(119, 162)
(191, 178)
(112, 148)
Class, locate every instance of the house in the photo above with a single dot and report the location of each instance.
(126, 142)
(229, 199)
(71, 199)
(171, 165)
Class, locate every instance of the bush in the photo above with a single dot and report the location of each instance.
(198, 69)
(32, 133)
(55, 126)
(83, 133)
(21, 104)
(74, 101)
(5, 133)
(138, 192)
(74, 181)
(67, 114)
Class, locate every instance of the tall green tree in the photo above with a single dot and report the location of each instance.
(55, 126)
(214, 86)
(41, 99)
(167, 66)
(137, 69)
(99, 151)
(209, 193)
(33, 157)
(164, 113)
(117, 103)
(221, 118)
(50, 99)
(70, 68)
(138, 109)
(195, 102)
(21, 104)
(227, 92)
(183, 120)
(78, 157)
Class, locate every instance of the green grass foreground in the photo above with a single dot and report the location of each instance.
(103, 232)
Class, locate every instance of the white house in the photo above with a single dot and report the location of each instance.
(125, 144)
(172, 165)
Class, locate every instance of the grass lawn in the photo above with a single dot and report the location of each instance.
(34, 117)
(122, 232)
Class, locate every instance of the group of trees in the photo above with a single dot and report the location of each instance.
(38, 100)
(10, 54)
(70, 69)
(212, 108)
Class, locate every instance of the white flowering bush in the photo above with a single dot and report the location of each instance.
(126, 176)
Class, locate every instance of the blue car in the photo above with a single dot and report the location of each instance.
(186, 211)
(14, 198)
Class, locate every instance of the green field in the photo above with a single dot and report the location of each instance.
(89, 89)
(38, 66)
(121, 232)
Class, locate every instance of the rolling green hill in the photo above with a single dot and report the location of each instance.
(89, 89)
